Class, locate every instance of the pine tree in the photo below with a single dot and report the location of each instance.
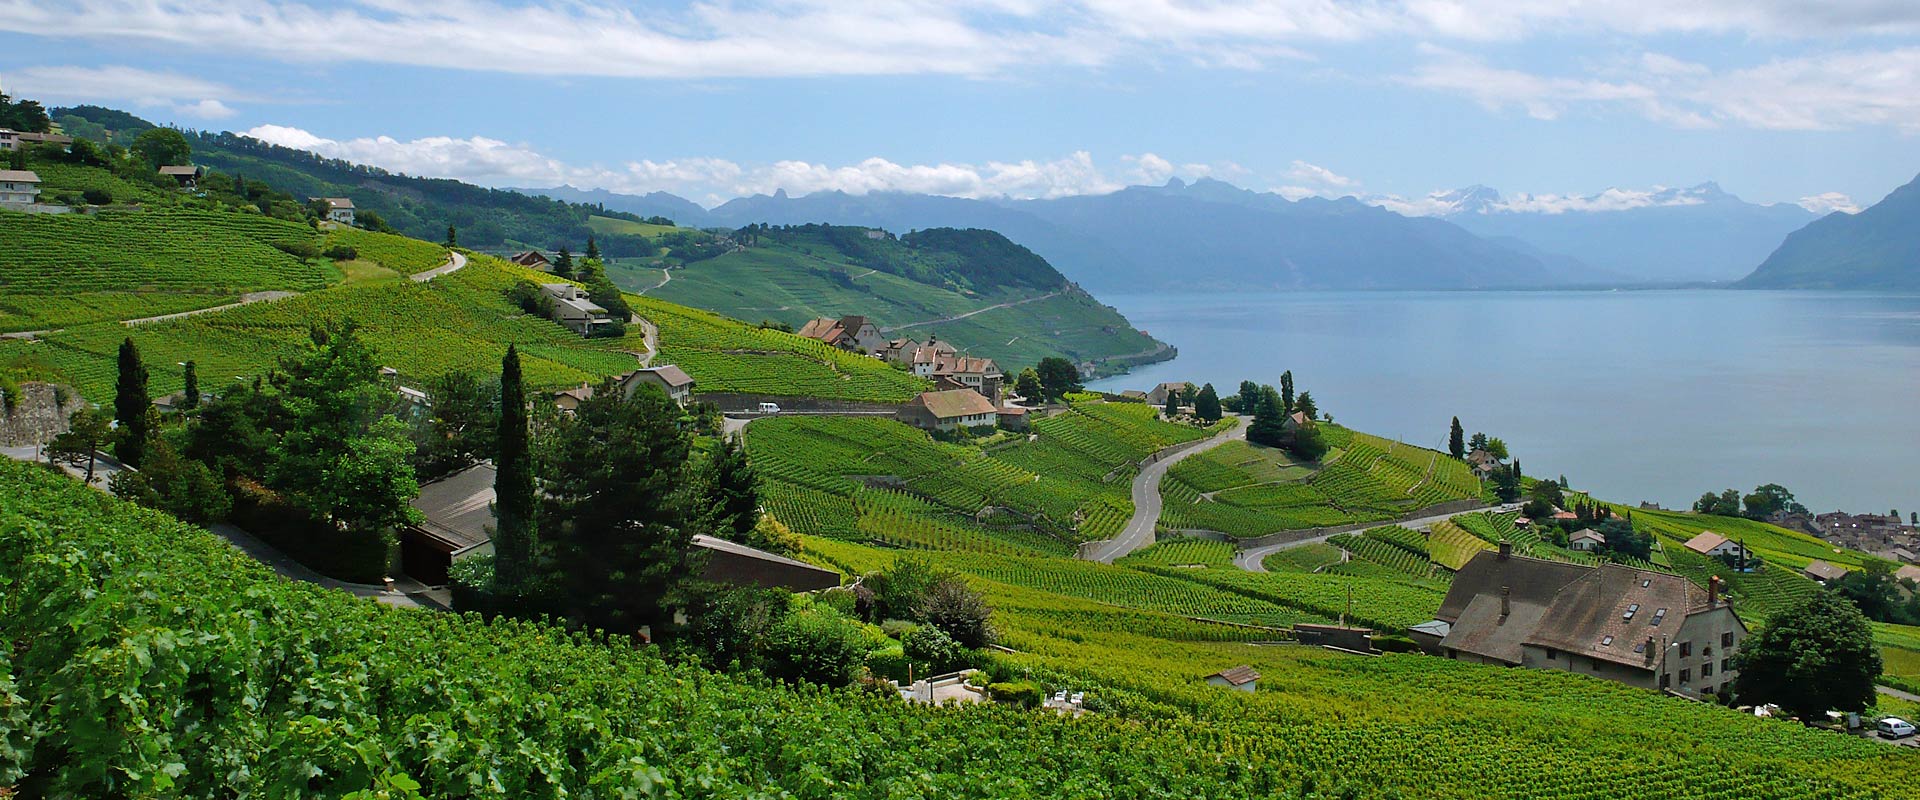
(1305, 405)
(190, 396)
(513, 485)
(593, 250)
(1173, 403)
(1457, 440)
(1206, 405)
(130, 404)
(563, 264)
(1286, 391)
(1249, 397)
(731, 494)
(453, 237)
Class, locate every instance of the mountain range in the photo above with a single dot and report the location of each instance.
(1878, 248)
(1212, 235)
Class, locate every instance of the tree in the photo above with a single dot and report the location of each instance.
(130, 405)
(1497, 448)
(1478, 442)
(1305, 405)
(1269, 419)
(1249, 397)
(513, 484)
(1877, 593)
(1286, 392)
(1058, 378)
(1173, 403)
(1304, 441)
(1547, 491)
(162, 147)
(190, 395)
(1624, 541)
(563, 264)
(339, 457)
(1725, 504)
(898, 589)
(1206, 405)
(930, 646)
(1772, 498)
(453, 237)
(602, 291)
(1810, 658)
(957, 609)
(231, 434)
(1506, 482)
(731, 496)
(593, 250)
(87, 431)
(1027, 385)
(614, 511)
(1457, 440)
(463, 425)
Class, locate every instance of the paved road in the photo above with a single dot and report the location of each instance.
(454, 262)
(1011, 304)
(1892, 692)
(245, 299)
(666, 277)
(1250, 559)
(1146, 499)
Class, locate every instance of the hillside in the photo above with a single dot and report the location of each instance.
(1697, 234)
(418, 207)
(1878, 248)
(973, 288)
(584, 712)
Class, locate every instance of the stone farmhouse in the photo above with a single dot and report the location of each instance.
(950, 409)
(1158, 394)
(12, 140)
(1642, 628)
(854, 333)
(458, 523)
(1709, 543)
(339, 209)
(939, 362)
(1586, 541)
(19, 188)
(572, 308)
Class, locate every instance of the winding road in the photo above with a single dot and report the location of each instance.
(1250, 559)
(1146, 500)
(454, 262)
(1010, 304)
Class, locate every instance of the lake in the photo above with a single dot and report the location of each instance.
(1633, 395)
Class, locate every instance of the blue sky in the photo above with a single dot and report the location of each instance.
(1554, 99)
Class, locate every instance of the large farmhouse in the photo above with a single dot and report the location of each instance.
(847, 333)
(1638, 627)
(19, 187)
(954, 408)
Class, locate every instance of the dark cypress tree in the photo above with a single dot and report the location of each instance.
(1286, 391)
(1457, 440)
(1206, 405)
(1173, 403)
(453, 237)
(130, 404)
(190, 395)
(563, 264)
(513, 484)
(593, 250)
(732, 495)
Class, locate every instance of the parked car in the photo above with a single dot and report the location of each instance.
(1894, 728)
(769, 408)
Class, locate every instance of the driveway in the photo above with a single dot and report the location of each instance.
(1146, 500)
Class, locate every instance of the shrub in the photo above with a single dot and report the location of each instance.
(891, 664)
(97, 197)
(958, 610)
(341, 252)
(298, 248)
(898, 628)
(1394, 643)
(934, 648)
(817, 645)
(734, 628)
(1025, 694)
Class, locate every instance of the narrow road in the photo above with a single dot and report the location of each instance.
(1034, 299)
(245, 299)
(454, 262)
(1250, 559)
(1146, 499)
(666, 277)
(1892, 692)
(650, 333)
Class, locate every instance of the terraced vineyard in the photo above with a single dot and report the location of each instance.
(398, 253)
(725, 355)
(1182, 553)
(1453, 546)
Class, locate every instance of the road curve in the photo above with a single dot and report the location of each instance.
(454, 262)
(1250, 559)
(1146, 499)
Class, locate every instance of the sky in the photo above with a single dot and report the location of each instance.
(1551, 102)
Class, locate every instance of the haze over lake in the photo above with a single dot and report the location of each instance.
(1651, 395)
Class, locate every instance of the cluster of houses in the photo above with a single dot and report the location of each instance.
(13, 140)
(1639, 627)
(672, 380)
(967, 389)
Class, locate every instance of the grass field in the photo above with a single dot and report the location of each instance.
(606, 225)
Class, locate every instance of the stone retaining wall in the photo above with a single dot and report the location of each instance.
(36, 414)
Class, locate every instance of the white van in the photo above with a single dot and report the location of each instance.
(1894, 728)
(769, 408)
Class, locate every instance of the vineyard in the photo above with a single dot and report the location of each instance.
(725, 355)
(1182, 553)
(398, 253)
(170, 706)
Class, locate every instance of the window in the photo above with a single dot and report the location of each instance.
(1706, 670)
(1659, 615)
(1726, 639)
(1606, 641)
(1726, 665)
(1631, 610)
(1686, 649)
(1686, 677)
(1552, 654)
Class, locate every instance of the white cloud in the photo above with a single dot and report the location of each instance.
(761, 38)
(1818, 92)
(494, 162)
(183, 94)
(1828, 202)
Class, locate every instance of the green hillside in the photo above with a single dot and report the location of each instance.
(318, 693)
(1878, 248)
(1017, 309)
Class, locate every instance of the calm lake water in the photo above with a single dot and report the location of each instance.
(1650, 395)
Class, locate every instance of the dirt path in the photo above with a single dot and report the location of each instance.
(1009, 304)
(1146, 501)
(246, 299)
(666, 277)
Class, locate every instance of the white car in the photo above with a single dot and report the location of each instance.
(769, 408)
(1894, 728)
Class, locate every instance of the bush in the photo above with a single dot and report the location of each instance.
(341, 252)
(614, 329)
(298, 248)
(1391, 643)
(958, 610)
(891, 664)
(935, 649)
(97, 197)
(734, 628)
(840, 600)
(817, 645)
(471, 582)
(898, 628)
(1025, 694)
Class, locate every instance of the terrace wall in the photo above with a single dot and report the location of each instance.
(36, 414)
(735, 402)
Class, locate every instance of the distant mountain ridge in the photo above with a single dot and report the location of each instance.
(1207, 235)
(1878, 248)
(1696, 233)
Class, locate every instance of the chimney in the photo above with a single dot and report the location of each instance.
(1650, 650)
(1506, 550)
(1713, 591)
(1506, 601)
